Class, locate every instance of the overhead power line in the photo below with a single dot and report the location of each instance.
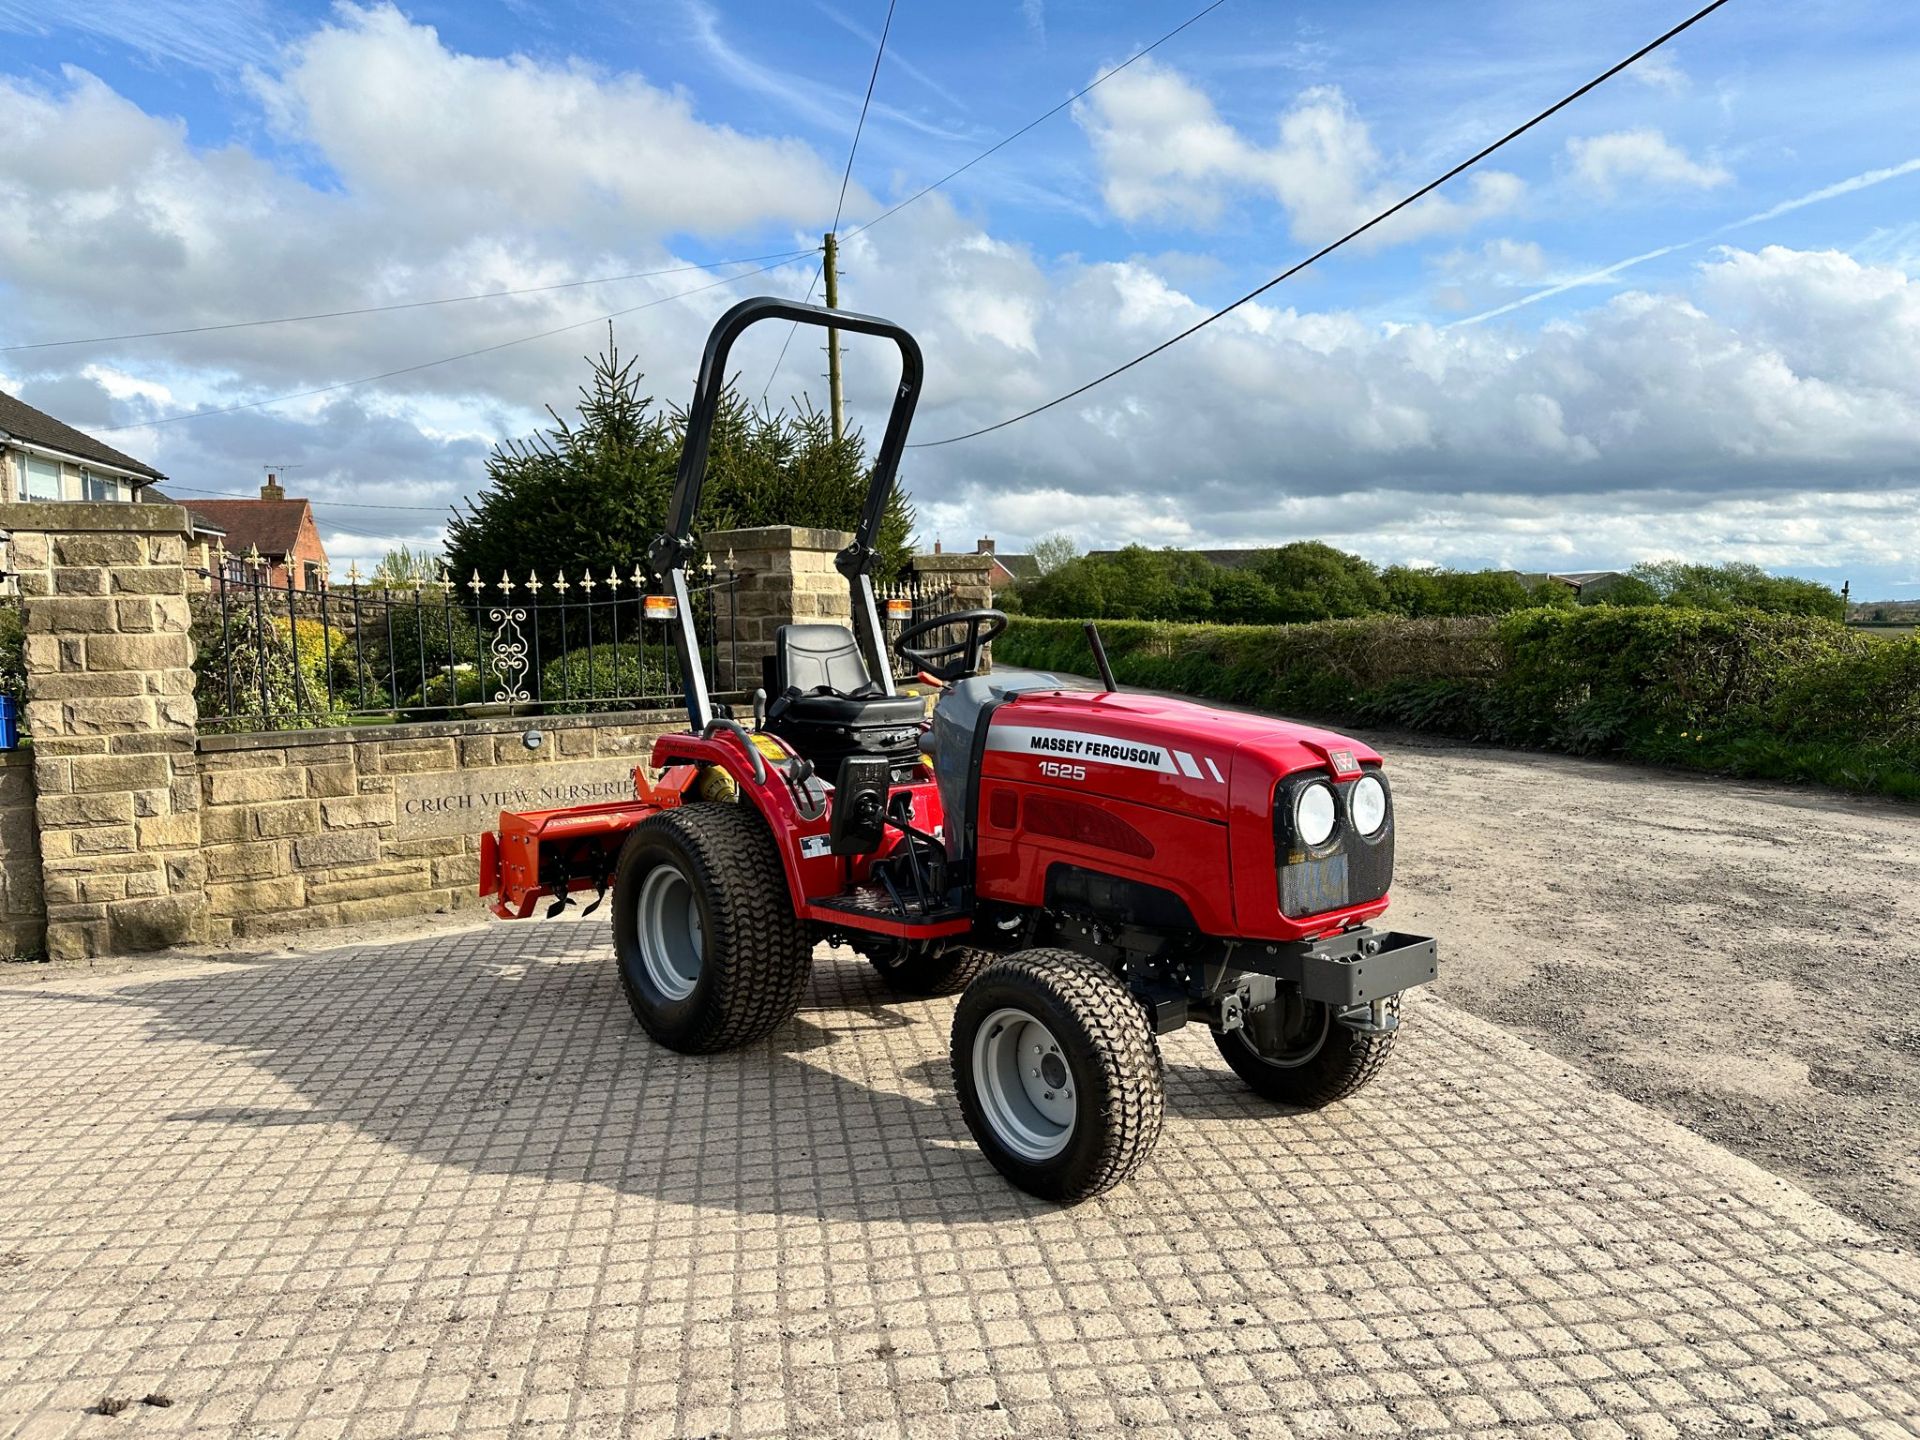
(401, 304)
(1097, 81)
(846, 176)
(332, 504)
(1353, 234)
(443, 360)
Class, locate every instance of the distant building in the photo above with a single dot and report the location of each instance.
(42, 458)
(280, 530)
(1007, 569)
(1585, 584)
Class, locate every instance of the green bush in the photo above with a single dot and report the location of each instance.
(603, 677)
(246, 676)
(1774, 696)
(13, 664)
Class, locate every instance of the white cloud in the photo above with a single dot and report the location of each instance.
(397, 115)
(1761, 407)
(1661, 72)
(1166, 155)
(1642, 156)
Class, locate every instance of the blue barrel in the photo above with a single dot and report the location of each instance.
(9, 724)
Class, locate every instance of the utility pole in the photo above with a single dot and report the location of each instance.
(832, 271)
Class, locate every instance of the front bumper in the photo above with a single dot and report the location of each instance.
(1354, 968)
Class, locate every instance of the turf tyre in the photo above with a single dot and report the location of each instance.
(754, 955)
(1342, 1062)
(947, 973)
(1109, 1053)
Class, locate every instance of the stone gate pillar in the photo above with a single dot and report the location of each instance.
(786, 573)
(111, 712)
(966, 576)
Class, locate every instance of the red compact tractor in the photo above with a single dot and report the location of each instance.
(1090, 868)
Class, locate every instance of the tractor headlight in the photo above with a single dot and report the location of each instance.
(1314, 814)
(1367, 804)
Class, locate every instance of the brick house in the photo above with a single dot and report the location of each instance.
(1003, 569)
(42, 458)
(280, 529)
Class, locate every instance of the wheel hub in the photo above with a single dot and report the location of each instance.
(1287, 1033)
(1026, 1089)
(673, 941)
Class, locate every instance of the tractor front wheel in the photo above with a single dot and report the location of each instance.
(1058, 1074)
(1295, 1053)
(711, 954)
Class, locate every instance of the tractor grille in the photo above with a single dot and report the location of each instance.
(1349, 869)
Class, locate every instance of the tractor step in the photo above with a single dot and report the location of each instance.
(871, 908)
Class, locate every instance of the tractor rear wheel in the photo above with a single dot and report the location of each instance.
(1295, 1053)
(1058, 1073)
(711, 955)
(947, 973)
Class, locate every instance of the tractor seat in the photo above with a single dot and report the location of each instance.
(840, 710)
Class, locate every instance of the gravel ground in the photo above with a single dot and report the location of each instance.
(1744, 957)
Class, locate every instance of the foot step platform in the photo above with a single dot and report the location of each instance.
(870, 907)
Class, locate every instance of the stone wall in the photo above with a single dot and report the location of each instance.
(311, 828)
(23, 914)
(151, 835)
(110, 708)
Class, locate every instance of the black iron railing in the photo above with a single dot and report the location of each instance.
(908, 602)
(275, 655)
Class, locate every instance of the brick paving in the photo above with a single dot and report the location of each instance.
(445, 1187)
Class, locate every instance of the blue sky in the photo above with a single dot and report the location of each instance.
(1486, 384)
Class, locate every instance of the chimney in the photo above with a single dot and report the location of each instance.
(936, 546)
(985, 545)
(271, 490)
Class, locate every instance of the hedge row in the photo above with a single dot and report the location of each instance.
(1772, 696)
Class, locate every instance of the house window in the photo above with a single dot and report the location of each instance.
(43, 478)
(313, 576)
(100, 487)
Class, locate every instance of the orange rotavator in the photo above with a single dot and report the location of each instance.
(1092, 868)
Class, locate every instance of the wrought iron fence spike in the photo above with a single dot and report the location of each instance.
(506, 583)
(586, 583)
(533, 582)
(639, 579)
(613, 578)
(474, 584)
(560, 583)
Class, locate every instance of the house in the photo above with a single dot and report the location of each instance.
(1006, 569)
(279, 530)
(42, 458)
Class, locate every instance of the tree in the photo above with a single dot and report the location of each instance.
(404, 566)
(1050, 552)
(1738, 586)
(1313, 581)
(594, 490)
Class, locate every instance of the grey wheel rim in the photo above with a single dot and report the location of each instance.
(1027, 1094)
(1288, 1037)
(673, 941)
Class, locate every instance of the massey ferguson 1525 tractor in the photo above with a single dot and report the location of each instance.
(1091, 869)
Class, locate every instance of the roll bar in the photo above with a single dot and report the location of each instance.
(667, 556)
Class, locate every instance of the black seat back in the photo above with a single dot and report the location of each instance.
(805, 657)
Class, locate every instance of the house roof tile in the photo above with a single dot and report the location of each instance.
(36, 427)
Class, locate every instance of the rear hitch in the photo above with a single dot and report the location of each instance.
(1369, 1019)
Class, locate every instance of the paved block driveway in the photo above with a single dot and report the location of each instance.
(446, 1188)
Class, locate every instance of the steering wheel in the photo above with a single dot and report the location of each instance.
(957, 658)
